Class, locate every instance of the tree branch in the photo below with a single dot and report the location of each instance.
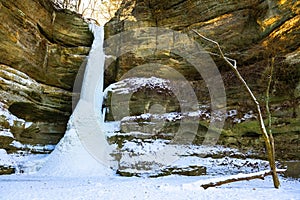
(243, 177)
(220, 50)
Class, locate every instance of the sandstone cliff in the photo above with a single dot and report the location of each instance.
(252, 32)
(41, 51)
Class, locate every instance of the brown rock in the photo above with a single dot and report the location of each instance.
(251, 32)
(41, 50)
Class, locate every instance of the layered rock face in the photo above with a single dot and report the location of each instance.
(258, 34)
(41, 51)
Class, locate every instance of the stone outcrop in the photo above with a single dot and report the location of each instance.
(245, 30)
(252, 32)
(41, 51)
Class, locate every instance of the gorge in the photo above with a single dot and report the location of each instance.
(42, 54)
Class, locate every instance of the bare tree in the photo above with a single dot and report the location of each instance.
(267, 135)
(99, 10)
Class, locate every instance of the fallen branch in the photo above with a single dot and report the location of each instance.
(241, 177)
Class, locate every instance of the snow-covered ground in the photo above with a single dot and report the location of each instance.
(70, 172)
(113, 187)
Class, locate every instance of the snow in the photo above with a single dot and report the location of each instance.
(173, 116)
(8, 116)
(6, 133)
(6, 159)
(152, 157)
(36, 148)
(28, 187)
(203, 113)
(71, 159)
(130, 85)
(20, 78)
(224, 178)
(28, 163)
(231, 113)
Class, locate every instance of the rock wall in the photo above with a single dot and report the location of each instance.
(41, 50)
(245, 29)
(253, 32)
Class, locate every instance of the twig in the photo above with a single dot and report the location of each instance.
(220, 50)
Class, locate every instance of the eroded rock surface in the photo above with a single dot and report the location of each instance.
(41, 50)
(252, 32)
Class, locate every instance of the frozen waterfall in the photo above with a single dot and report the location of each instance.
(83, 151)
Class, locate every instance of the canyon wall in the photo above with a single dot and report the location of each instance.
(41, 51)
(258, 34)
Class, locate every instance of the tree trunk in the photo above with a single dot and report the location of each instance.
(269, 143)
